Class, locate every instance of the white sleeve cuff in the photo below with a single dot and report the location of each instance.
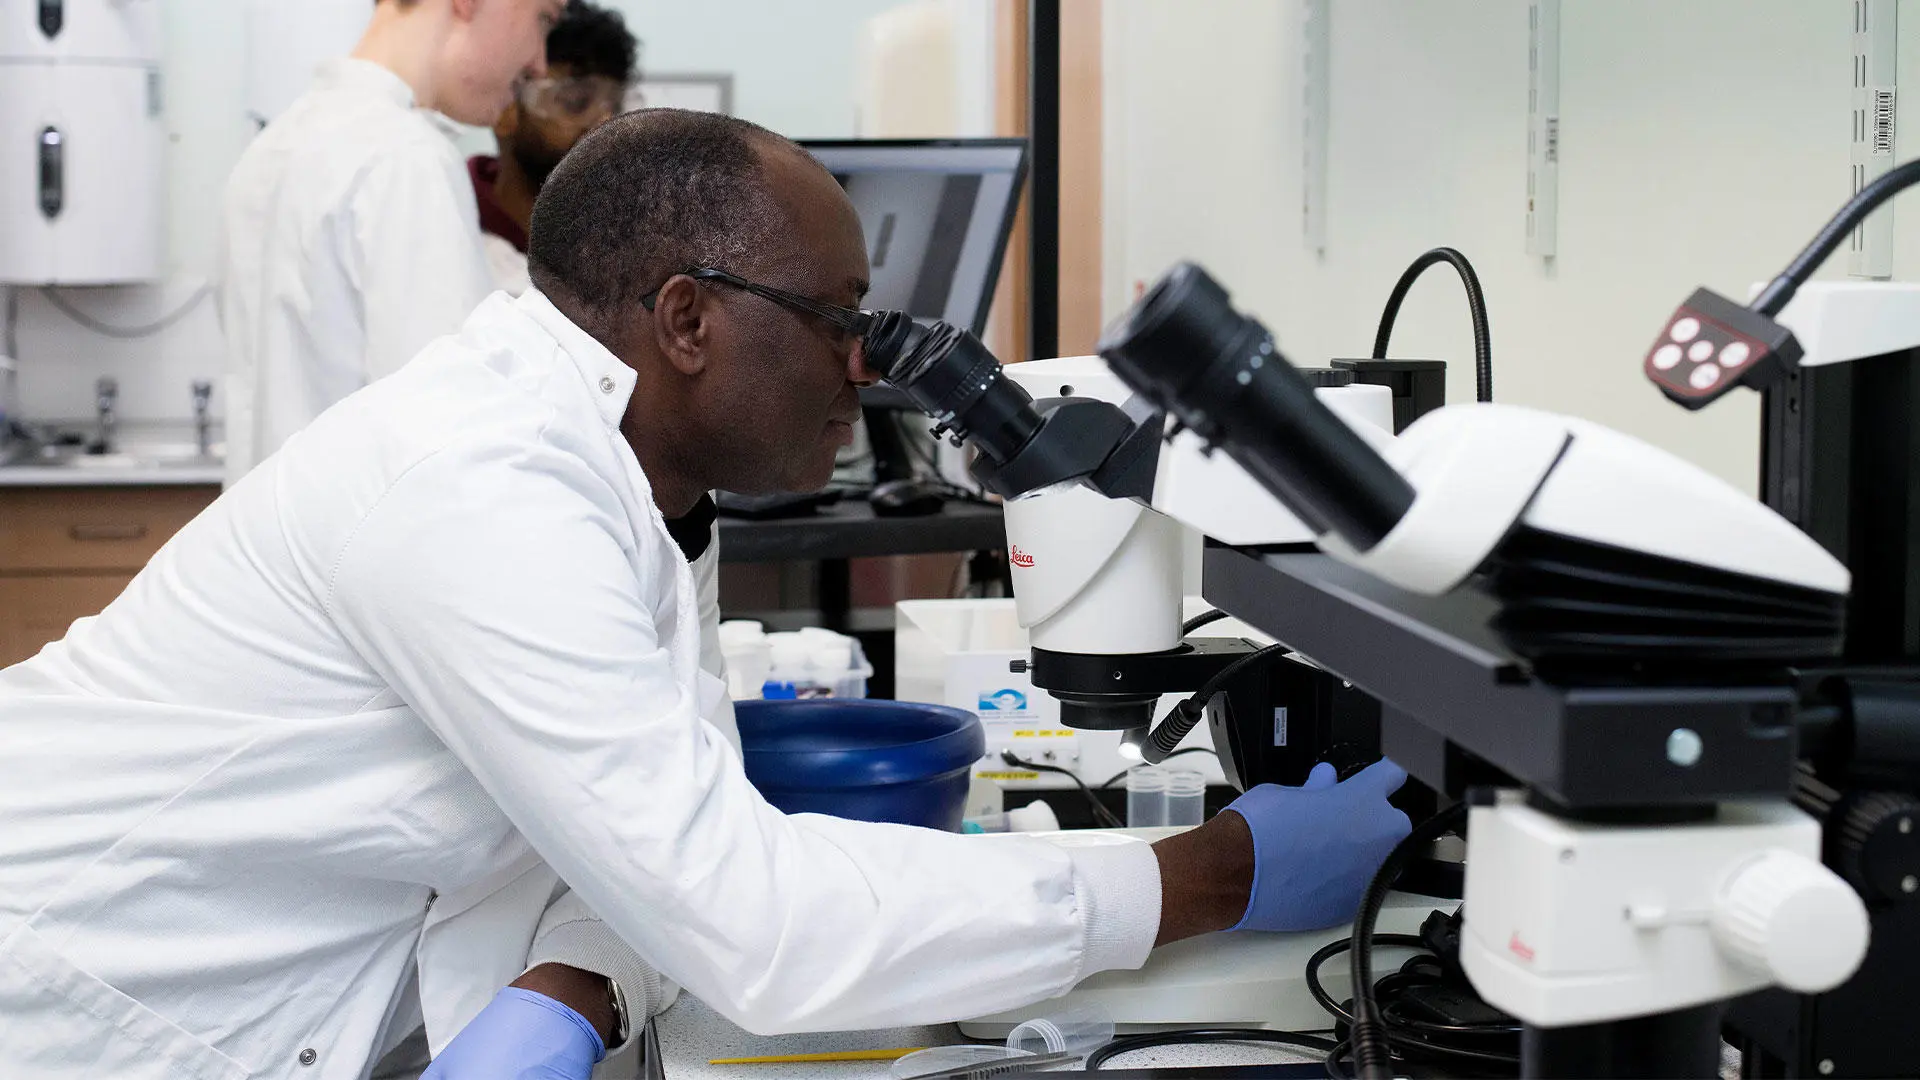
(570, 934)
(1118, 886)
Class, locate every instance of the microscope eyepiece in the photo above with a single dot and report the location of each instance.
(952, 377)
(1215, 370)
(1188, 317)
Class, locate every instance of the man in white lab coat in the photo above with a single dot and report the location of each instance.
(440, 654)
(349, 229)
(591, 64)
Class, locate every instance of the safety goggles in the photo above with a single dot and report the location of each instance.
(847, 320)
(574, 97)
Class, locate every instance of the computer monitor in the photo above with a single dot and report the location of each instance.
(937, 214)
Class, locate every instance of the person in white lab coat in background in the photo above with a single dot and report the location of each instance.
(591, 63)
(441, 653)
(349, 231)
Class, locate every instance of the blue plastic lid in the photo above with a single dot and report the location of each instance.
(827, 743)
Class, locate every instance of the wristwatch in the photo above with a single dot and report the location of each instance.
(622, 1026)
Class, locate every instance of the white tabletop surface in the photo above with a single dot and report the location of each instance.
(691, 1035)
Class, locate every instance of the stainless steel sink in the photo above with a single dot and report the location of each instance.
(161, 456)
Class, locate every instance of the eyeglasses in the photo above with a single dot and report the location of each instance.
(847, 320)
(575, 96)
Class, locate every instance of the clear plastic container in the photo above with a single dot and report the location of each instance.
(787, 676)
(815, 663)
(1186, 797)
(749, 658)
(1146, 797)
(1079, 1030)
(1036, 816)
(830, 661)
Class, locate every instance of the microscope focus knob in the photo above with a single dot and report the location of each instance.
(1793, 919)
(1878, 846)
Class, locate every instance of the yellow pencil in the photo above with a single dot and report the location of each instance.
(841, 1055)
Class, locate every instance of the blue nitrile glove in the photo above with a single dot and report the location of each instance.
(521, 1035)
(1316, 846)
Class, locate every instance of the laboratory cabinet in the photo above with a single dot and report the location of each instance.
(83, 142)
(66, 552)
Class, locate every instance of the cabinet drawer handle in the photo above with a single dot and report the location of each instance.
(107, 532)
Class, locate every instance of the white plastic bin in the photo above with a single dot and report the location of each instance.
(813, 662)
(956, 652)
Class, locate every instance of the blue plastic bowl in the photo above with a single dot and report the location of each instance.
(895, 761)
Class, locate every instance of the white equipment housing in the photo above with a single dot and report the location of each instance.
(1839, 321)
(1477, 469)
(82, 143)
(1568, 923)
(1102, 576)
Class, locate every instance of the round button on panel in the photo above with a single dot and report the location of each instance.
(1704, 376)
(1685, 330)
(1699, 351)
(1666, 356)
(1735, 354)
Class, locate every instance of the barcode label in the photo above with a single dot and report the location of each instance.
(1553, 140)
(1883, 121)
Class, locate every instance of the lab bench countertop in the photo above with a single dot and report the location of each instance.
(692, 1034)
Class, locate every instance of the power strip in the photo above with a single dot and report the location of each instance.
(1875, 105)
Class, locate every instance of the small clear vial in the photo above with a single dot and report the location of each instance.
(1186, 796)
(1146, 797)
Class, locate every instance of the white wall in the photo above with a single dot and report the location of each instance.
(1702, 142)
(793, 63)
(794, 68)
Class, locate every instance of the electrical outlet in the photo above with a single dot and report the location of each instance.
(1543, 127)
(1875, 110)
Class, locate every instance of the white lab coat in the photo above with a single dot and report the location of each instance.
(362, 714)
(350, 239)
(507, 265)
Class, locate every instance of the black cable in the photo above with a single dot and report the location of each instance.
(1335, 948)
(1336, 1071)
(1476, 308)
(1100, 812)
(1412, 1036)
(1781, 289)
(1372, 1058)
(1122, 774)
(1455, 1053)
(1183, 717)
(125, 333)
(1207, 618)
(1416, 1026)
(1199, 1036)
